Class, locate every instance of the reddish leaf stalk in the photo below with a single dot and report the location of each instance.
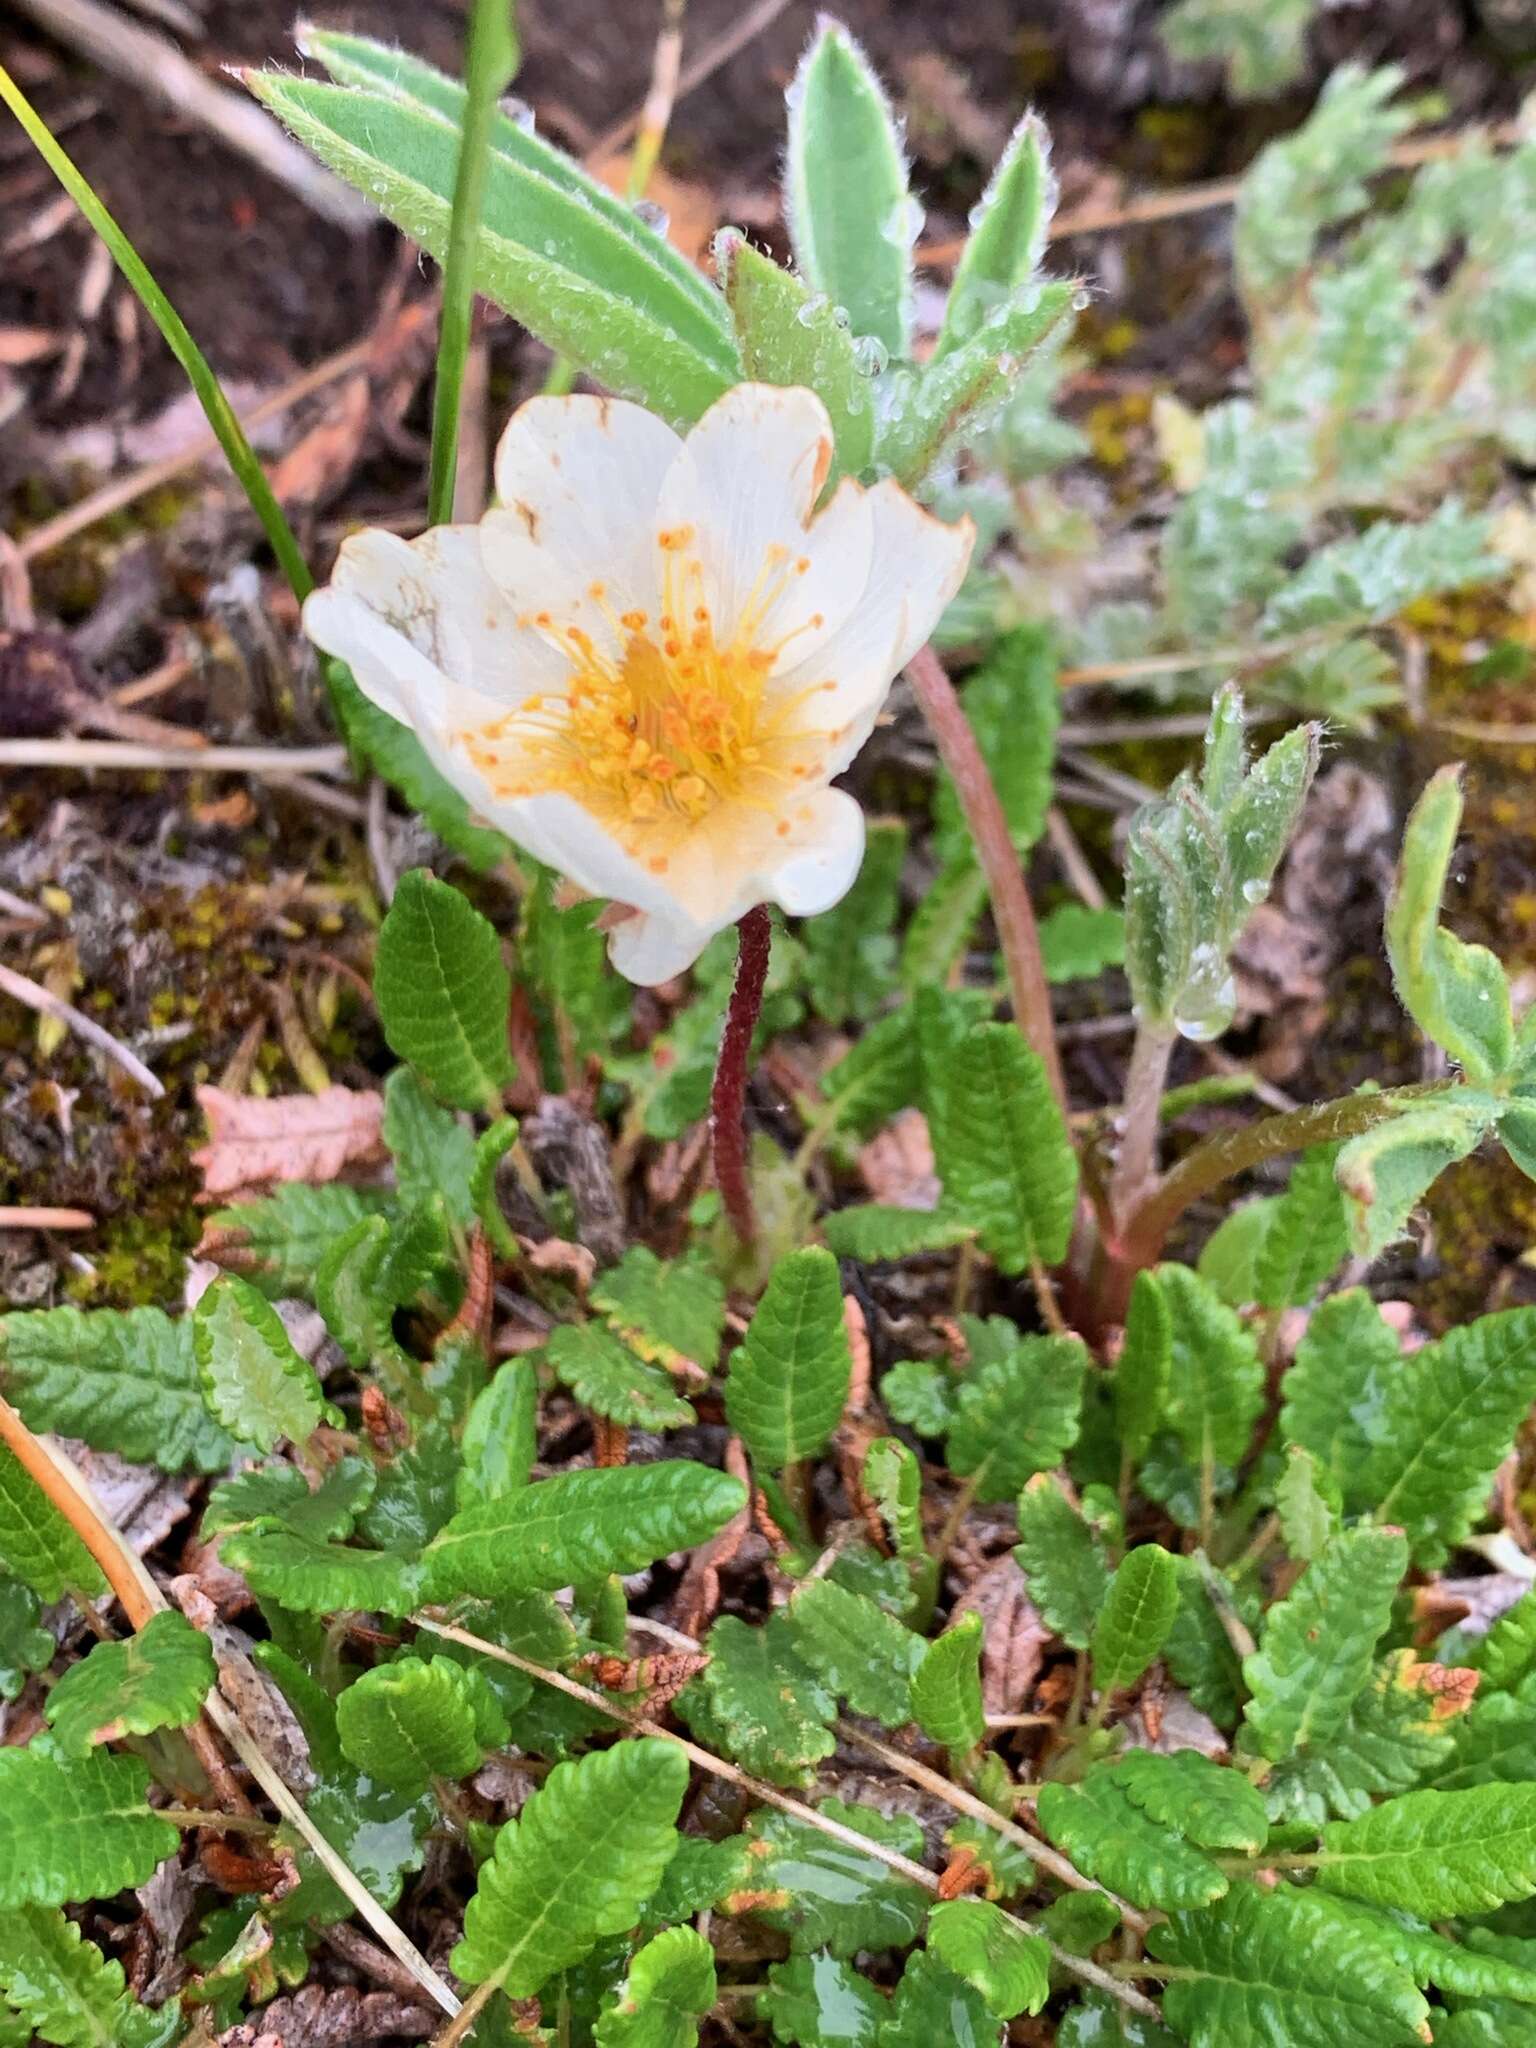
(728, 1098)
(1012, 911)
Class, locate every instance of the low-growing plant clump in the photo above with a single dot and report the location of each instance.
(890, 1554)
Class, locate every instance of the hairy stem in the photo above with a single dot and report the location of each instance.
(1012, 911)
(728, 1099)
(1136, 1166)
(1235, 1151)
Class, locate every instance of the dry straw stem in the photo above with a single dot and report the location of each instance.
(770, 1795)
(1217, 192)
(72, 1494)
(46, 1219)
(124, 490)
(273, 761)
(46, 1004)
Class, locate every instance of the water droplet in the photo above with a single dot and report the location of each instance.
(654, 216)
(870, 355)
(904, 223)
(1255, 891)
(840, 317)
(812, 310)
(519, 113)
(1081, 301)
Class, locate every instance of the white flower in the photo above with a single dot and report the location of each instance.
(648, 665)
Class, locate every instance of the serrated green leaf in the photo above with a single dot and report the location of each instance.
(1445, 1422)
(253, 1380)
(939, 930)
(893, 1480)
(553, 257)
(1307, 1235)
(36, 1543)
(434, 1153)
(1261, 816)
(1077, 944)
(1100, 2021)
(822, 1892)
(815, 2001)
(1371, 576)
(850, 950)
(1012, 703)
(606, 1377)
(76, 1828)
(579, 1526)
(1216, 1385)
(875, 1234)
(845, 190)
(406, 1723)
(1308, 1503)
(443, 992)
(68, 1992)
(1008, 1965)
(670, 1311)
(1137, 1614)
(24, 1646)
(1386, 1172)
(578, 1863)
(1007, 236)
(501, 1435)
(282, 1493)
(667, 1990)
(1003, 1151)
(1437, 1853)
(1210, 1804)
(788, 335)
(1400, 1729)
(860, 1651)
(157, 1678)
(121, 1380)
(1314, 1656)
(1110, 1838)
(946, 1687)
(920, 1395)
(1431, 1958)
(562, 957)
(1199, 1652)
(350, 1294)
(931, 2004)
(1276, 1966)
(1063, 1561)
(415, 1493)
(789, 1378)
(761, 1702)
(1344, 1363)
(1144, 1367)
(315, 1577)
(1508, 1651)
(280, 1241)
(1017, 1409)
(1229, 1257)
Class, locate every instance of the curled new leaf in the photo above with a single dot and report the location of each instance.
(253, 1380)
(946, 1688)
(1138, 1612)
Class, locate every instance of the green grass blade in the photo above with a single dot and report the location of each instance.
(490, 64)
(238, 451)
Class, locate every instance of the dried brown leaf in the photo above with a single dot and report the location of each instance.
(254, 1139)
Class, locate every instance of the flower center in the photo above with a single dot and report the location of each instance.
(666, 722)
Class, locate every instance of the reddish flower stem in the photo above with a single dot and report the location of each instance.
(1012, 912)
(728, 1098)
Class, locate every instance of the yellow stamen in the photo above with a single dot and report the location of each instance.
(655, 731)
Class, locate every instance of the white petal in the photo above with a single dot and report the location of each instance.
(578, 480)
(736, 863)
(650, 947)
(742, 489)
(918, 564)
(408, 614)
